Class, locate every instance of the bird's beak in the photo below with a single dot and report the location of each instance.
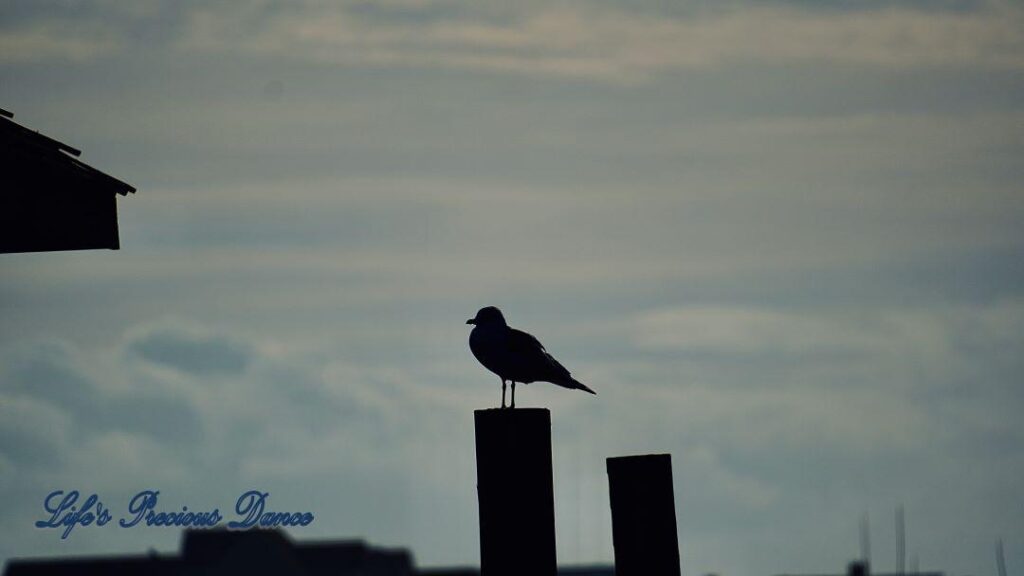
(471, 321)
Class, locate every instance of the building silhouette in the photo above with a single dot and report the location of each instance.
(50, 200)
(221, 552)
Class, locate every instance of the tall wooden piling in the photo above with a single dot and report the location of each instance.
(515, 492)
(643, 515)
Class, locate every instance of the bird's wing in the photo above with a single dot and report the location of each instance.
(528, 347)
(524, 343)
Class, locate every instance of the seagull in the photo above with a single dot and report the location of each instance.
(514, 355)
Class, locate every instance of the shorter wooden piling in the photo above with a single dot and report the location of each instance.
(643, 515)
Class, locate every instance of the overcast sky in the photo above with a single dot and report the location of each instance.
(781, 239)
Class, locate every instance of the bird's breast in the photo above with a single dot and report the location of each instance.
(490, 347)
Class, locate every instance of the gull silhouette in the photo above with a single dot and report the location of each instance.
(514, 355)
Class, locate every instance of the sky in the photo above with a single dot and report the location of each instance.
(780, 238)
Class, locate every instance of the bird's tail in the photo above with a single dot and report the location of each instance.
(577, 385)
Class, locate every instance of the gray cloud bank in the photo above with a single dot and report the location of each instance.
(597, 40)
(790, 422)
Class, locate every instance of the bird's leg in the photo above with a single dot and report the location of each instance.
(503, 392)
(513, 394)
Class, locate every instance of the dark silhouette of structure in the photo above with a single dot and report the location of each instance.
(223, 553)
(643, 515)
(514, 355)
(861, 568)
(51, 200)
(562, 571)
(515, 492)
(255, 553)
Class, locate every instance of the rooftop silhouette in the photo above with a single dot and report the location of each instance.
(50, 199)
(256, 553)
(222, 552)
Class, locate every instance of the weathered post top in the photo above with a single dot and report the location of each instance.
(516, 492)
(643, 515)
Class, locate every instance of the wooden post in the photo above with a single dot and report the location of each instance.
(516, 492)
(643, 515)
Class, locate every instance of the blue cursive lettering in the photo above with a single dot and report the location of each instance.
(251, 506)
(139, 505)
(63, 512)
(67, 509)
(143, 505)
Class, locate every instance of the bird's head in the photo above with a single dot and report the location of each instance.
(488, 316)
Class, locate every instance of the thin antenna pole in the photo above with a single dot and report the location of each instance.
(865, 540)
(901, 542)
(1000, 560)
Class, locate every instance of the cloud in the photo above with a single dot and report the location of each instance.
(925, 336)
(369, 441)
(73, 32)
(866, 382)
(32, 433)
(87, 396)
(609, 43)
(192, 351)
(601, 41)
(737, 332)
(359, 443)
(55, 42)
(51, 371)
